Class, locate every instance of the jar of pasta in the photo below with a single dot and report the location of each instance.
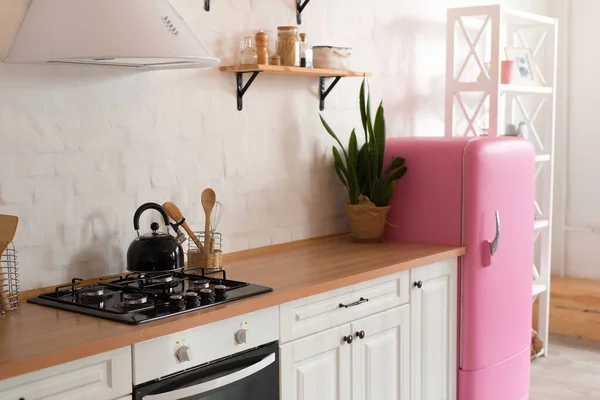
(288, 45)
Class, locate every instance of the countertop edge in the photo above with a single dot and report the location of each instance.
(230, 310)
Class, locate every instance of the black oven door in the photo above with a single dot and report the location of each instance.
(251, 375)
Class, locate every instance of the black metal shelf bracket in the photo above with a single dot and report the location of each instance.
(207, 5)
(299, 8)
(241, 88)
(323, 93)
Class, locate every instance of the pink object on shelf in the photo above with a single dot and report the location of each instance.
(507, 72)
(453, 188)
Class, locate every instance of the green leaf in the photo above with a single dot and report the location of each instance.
(363, 111)
(353, 150)
(388, 191)
(339, 167)
(396, 163)
(362, 170)
(379, 133)
(339, 164)
(349, 172)
(333, 135)
(376, 192)
(398, 174)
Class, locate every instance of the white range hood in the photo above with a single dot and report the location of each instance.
(141, 34)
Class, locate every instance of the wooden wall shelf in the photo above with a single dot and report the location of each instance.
(256, 69)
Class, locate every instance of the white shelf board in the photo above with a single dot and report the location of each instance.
(540, 224)
(542, 158)
(538, 288)
(522, 17)
(524, 89)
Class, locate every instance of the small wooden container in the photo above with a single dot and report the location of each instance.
(262, 42)
(275, 60)
(211, 262)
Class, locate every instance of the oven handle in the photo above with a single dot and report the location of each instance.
(216, 383)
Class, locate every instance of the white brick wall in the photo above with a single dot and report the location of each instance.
(81, 148)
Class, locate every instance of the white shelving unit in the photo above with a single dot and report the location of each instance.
(478, 104)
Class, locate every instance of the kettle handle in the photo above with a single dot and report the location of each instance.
(149, 206)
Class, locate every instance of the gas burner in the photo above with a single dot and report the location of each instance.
(200, 284)
(134, 299)
(93, 292)
(161, 279)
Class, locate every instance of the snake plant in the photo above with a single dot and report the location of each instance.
(361, 171)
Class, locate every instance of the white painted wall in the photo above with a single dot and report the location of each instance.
(81, 148)
(583, 169)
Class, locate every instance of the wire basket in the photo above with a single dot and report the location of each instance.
(211, 262)
(9, 280)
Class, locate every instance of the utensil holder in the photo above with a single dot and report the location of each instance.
(211, 262)
(10, 298)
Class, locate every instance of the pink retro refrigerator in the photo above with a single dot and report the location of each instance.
(478, 193)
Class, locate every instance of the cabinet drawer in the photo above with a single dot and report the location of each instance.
(317, 313)
(104, 376)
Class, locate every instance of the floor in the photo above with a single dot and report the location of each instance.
(571, 372)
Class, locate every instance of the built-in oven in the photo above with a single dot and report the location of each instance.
(249, 375)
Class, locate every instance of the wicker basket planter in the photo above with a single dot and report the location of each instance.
(368, 222)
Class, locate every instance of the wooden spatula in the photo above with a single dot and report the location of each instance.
(176, 215)
(8, 228)
(209, 198)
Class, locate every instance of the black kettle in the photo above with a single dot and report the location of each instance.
(154, 252)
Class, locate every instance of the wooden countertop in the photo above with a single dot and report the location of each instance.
(35, 337)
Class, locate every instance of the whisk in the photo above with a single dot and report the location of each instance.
(216, 215)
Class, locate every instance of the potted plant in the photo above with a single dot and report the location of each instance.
(370, 186)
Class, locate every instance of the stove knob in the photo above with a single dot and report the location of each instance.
(192, 300)
(220, 292)
(240, 336)
(207, 296)
(183, 354)
(176, 303)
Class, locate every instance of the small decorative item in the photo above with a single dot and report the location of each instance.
(247, 53)
(507, 72)
(262, 42)
(537, 346)
(276, 60)
(511, 130)
(370, 185)
(525, 70)
(306, 52)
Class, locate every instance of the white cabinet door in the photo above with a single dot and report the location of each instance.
(105, 376)
(381, 359)
(317, 367)
(433, 331)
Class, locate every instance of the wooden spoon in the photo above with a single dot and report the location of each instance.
(175, 213)
(8, 228)
(209, 198)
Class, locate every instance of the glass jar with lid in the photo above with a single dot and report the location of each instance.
(288, 45)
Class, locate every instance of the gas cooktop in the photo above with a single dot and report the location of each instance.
(138, 298)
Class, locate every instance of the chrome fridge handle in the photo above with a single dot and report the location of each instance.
(494, 243)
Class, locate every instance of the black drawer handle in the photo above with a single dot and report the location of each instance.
(362, 300)
(348, 339)
(361, 334)
(418, 284)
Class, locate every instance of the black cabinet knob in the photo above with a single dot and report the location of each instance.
(418, 284)
(361, 334)
(348, 339)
